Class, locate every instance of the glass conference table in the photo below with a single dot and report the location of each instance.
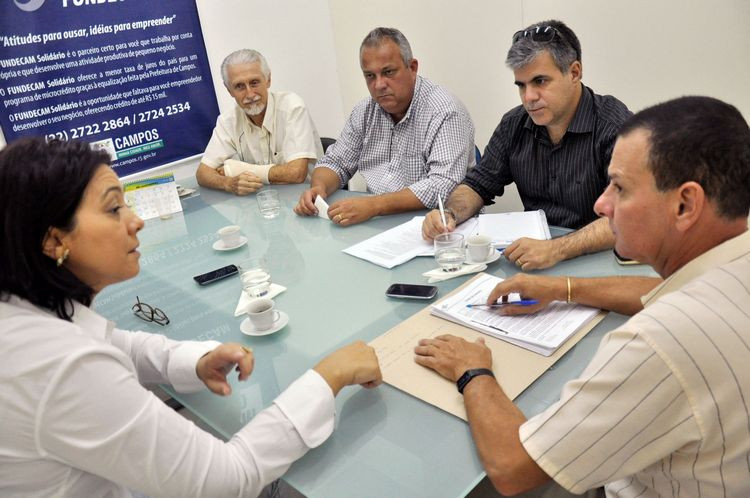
(386, 442)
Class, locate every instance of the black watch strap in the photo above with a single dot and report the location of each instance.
(470, 374)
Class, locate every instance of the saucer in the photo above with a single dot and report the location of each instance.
(219, 245)
(247, 327)
(495, 256)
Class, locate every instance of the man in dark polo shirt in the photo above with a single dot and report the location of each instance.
(556, 147)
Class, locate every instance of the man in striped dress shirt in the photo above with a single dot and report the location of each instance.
(663, 408)
(411, 140)
(555, 147)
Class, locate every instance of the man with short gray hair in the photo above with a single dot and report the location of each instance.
(556, 147)
(411, 139)
(268, 137)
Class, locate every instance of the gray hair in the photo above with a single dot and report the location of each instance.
(564, 47)
(243, 56)
(376, 37)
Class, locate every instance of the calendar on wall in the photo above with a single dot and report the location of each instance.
(153, 197)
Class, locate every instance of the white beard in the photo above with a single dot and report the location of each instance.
(254, 109)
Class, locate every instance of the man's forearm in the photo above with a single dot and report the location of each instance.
(210, 178)
(619, 294)
(494, 421)
(294, 171)
(397, 202)
(594, 237)
(325, 179)
(464, 203)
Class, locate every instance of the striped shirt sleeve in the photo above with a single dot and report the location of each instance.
(625, 413)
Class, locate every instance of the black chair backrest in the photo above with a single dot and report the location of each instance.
(326, 142)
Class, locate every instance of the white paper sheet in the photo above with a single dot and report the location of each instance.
(542, 332)
(404, 242)
(504, 228)
(392, 247)
(322, 207)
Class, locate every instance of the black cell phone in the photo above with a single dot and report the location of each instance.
(411, 291)
(213, 276)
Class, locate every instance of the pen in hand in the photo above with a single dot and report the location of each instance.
(522, 302)
(442, 211)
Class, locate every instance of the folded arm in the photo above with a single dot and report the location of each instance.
(242, 184)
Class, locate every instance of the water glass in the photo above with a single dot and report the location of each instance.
(269, 204)
(449, 251)
(255, 276)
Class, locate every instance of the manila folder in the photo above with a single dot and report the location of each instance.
(515, 368)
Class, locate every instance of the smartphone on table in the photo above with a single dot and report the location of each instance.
(215, 275)
(411, 291)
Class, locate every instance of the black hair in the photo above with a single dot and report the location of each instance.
(699, 139)
(41, 185)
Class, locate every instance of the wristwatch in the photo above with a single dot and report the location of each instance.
(470, 374)
(452, 213)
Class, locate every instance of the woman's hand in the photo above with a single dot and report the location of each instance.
(214, 366)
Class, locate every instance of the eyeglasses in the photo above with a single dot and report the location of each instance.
(543, 34)
(148, 313)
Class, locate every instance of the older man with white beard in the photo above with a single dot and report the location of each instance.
(268, 137)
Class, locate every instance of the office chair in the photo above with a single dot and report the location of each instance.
(326, 142)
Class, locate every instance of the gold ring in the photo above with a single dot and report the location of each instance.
(520, 263)
(337, 217)
(247, 350)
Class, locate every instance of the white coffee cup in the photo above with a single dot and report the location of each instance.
(480, 248)
(262, 313)
(230, 235)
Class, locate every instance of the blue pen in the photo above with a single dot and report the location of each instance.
(522, 302)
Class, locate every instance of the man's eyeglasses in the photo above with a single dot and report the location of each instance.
(542, 34)
(149, 313)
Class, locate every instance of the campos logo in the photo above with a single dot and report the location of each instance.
(29, 5)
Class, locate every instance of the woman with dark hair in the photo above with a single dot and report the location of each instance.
(75, 419)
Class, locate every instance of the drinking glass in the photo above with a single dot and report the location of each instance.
(255, 276)
(269, 204)
(449, 251)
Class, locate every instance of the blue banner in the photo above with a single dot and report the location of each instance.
(130, 76)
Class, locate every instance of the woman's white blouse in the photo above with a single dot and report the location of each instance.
(76, 421)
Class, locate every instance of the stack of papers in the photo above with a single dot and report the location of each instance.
(543, 332)
(393, 247)
(504, 228)
(404, 242)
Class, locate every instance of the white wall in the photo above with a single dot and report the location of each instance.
(641, 51)
(296, 38)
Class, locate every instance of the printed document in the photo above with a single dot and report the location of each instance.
(392, 247)
(543, 332)
(404, 242)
